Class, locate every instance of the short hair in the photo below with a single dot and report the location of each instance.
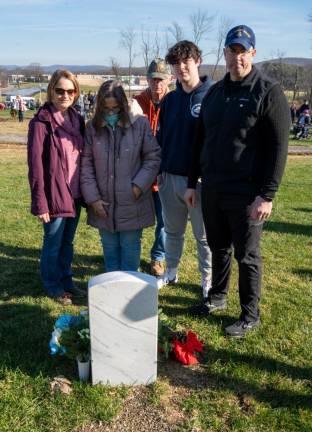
(56, 76)
(110, 88)
(181, 51)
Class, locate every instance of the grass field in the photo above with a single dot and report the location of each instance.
(10, 126)
(262, 383)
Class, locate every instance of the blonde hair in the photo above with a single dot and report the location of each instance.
(57, 75)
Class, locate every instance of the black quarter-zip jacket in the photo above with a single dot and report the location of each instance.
(241, 141)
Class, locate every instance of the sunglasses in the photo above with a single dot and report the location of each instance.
(239, 51)
(61, 92)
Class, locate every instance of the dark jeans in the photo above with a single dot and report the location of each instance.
(57, 253)
(158, 248)
(228, 225)
(20, 116)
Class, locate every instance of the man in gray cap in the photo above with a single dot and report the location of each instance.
(240, 152)
(159, 78)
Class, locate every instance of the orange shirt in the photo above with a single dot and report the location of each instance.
(152, 113)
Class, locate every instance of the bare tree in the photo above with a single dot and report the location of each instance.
(201, 24)
(146, 47)
(3, 78)
(127, 40)
(281, 68)
(157, 45)
(176, 31)
(223, 28)
(308, 82)
(33, 72)
(167, 41)
(115, 66)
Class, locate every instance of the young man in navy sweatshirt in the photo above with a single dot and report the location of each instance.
(178, 117)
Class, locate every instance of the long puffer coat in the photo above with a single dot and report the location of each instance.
(112, 161)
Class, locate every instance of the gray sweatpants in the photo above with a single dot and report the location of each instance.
(175, 214)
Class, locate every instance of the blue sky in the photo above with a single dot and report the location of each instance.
(88, 31)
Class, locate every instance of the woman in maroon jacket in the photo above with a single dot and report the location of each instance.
(55, 141)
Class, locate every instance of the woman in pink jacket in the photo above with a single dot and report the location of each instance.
(120, 161)
(55, 141)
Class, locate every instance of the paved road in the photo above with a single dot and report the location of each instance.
(14, 139)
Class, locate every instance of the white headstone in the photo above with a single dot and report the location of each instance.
(123, 312)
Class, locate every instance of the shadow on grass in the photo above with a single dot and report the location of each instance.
(25, 331)
(303, 209)
(202, 378)
(303, 273)
(20, 276)
(176, 305)
(289, 228)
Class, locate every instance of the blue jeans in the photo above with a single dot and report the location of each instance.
(158, 248)
(122, 250)
(57, 254)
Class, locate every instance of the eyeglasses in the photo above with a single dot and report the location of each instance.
(238, 51)
(114, 110)
(60, 91)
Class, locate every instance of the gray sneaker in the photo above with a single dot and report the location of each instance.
(240, 328)
(207, 307)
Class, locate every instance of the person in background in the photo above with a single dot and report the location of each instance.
(302, 126)
(21, 108)
(303, 107)
(240, 152)
(55, 141)
(177, 122)
(120, 161)
(293, 112)
(158, 78)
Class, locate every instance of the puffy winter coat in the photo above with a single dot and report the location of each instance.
(114, 160)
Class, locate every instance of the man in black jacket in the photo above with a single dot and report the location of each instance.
(240, 153)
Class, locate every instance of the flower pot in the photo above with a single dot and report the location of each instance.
(83, 370)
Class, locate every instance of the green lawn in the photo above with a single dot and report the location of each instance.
(262, 383)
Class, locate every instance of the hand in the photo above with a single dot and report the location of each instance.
(99, 208)
(260, 209)
(44, 218)
(137, 192)
(190, 197)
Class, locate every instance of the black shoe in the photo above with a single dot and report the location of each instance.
(77, 292)
(241, 327)
(207, 307)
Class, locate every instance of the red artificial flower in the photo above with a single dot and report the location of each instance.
(183, 354)
(192, 342)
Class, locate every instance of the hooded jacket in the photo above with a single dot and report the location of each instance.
(178, 117)
(114, 160)
(47, 172)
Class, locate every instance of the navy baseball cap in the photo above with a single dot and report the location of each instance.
(242, 35)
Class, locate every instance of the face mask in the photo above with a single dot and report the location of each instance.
(111, 119)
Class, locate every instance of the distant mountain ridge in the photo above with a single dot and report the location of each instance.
(102, 69)
(299, 61)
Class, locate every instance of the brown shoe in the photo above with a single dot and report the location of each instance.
(157, 268)
(64, 299)
(76, 292)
